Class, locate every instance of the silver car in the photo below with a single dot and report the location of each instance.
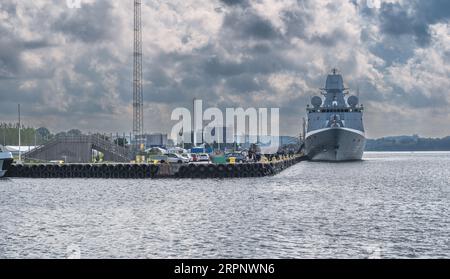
(203, 157)
(175, 158)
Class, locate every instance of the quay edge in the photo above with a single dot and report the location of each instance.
(152, 171)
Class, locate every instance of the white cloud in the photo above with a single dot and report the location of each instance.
(73, 67)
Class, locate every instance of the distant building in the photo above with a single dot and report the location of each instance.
(156, 140)
(217, 135)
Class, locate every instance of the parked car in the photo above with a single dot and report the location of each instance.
(203, 157)
(194, 157)
(239, 157)
(172, 158)
(175, 158)
(187, 156)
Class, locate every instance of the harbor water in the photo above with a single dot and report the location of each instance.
(390, 205)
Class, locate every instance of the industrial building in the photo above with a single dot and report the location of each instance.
(156, 140)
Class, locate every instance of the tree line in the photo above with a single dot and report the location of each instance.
(9, 135)
(29, 136)
(406, 143)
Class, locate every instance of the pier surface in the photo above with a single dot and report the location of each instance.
(149, 171)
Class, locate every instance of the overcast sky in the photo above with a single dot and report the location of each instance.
(72, 68)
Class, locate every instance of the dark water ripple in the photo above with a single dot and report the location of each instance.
(392, 205)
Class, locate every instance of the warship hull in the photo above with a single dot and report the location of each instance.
(335, 145)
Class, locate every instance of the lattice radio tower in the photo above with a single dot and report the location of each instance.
(138, 98)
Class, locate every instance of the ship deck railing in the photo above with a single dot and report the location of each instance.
(337, 110)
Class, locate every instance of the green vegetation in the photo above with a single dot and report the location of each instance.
(9, 135)
(408, 143)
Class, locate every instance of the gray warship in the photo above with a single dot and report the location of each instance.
(335, 128)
